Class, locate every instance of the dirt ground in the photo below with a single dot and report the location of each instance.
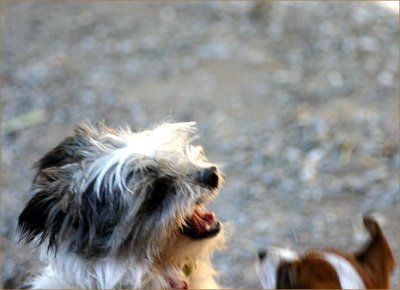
(297, 102)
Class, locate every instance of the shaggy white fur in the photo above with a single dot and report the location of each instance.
(112, 208)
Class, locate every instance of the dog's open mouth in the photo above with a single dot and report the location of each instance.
(201, 225)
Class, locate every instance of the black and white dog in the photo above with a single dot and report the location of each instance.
(112, 208)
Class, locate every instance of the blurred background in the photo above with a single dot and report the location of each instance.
(297, 102)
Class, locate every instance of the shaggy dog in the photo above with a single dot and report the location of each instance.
(112, 208)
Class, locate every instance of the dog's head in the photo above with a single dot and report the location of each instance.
(327, 269)
(106, 192)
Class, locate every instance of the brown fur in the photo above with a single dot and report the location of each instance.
(310, 272)
(374, 263)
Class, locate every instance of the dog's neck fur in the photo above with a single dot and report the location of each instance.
(65, 270)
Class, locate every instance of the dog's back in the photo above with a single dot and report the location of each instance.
(369, 268)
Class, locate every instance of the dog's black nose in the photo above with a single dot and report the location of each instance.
(209, 176)
(262, 254)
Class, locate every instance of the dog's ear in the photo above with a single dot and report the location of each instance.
(70, 150)
(32, 220)
(377, 255)
(60, 204)
(46, 212)
(372, 226)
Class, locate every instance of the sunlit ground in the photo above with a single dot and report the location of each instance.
(391, 5)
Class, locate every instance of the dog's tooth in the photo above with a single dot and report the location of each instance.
(214, 224)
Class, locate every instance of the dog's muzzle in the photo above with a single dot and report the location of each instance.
(202, 224)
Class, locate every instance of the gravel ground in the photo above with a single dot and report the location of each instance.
(296, 102)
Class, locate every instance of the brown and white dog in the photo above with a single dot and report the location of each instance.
(369, 268)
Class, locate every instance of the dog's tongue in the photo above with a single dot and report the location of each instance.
(201, 225)
(202, 221)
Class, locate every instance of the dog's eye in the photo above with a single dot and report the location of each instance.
(161, 189)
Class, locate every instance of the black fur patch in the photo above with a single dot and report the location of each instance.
(161, 190)
(160, 193)
(45, 215)
(33, 220)
(56, 207)
(89, 224)
(98, 217)
(147, 224)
